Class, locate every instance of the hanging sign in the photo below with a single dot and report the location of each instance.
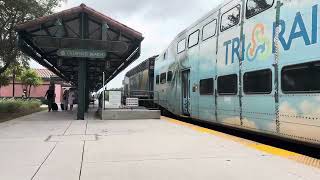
(82, 53)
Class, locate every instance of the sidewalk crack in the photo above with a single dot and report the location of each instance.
(83, 148)
(80, 173)
(54, 147)
(67, 128)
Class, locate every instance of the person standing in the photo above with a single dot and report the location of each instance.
(71, 98)
(24, 94)
(65, 99)
(50, 97)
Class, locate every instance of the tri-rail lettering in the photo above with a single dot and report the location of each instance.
(261, 47)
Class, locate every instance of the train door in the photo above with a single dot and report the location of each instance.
(207, 68)
(194, 59)
(299, 70)
(257, 67)
(227, 102)
(186, 92)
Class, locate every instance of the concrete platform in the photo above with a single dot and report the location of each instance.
(129, 114)
(54, 146)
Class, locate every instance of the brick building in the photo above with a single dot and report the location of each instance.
(36, 92)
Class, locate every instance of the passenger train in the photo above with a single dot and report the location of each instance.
(138, 83)
(248, 64)
(139, 80)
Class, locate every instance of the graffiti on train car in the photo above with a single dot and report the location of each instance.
(261, 47)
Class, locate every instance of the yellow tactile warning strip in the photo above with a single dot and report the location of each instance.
(252, 144)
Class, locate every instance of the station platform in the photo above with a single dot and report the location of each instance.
(54, 146)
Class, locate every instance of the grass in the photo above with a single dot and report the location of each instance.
(14, 108)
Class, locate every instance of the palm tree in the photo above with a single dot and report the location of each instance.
(15, 71)
(29, 78)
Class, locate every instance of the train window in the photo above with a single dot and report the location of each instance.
(206, 86)
(181, 46)
(157, 79)
(163, 78)
(228, 85)
(230, 18)
(302, 78)
(169, 76)
(255, 7)
(257, 82)
(193, 39)
(209, 30)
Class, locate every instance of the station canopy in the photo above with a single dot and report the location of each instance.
(59, 41)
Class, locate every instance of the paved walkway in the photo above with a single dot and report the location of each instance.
(54, 146)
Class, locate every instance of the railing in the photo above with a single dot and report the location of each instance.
(146, 98)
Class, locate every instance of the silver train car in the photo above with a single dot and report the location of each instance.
(252, 65)
(138, 82)
(248, 64)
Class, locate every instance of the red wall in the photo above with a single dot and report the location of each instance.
(36, 92)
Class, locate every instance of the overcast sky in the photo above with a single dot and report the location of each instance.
(159, 21)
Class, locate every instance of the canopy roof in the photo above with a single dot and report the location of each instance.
(80, 29)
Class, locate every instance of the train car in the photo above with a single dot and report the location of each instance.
(248, 64)
(138, 82)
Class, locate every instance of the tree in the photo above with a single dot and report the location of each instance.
(4, 80)
(15, 70)
(13, 12)
(29, 78)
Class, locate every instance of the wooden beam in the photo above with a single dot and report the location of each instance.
(58, 43)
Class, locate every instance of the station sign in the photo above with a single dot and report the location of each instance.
(114, 99)
(82, 53)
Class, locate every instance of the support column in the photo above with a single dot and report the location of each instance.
(82, 73)
(81, 88)
(103, 92)
(87, 95)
